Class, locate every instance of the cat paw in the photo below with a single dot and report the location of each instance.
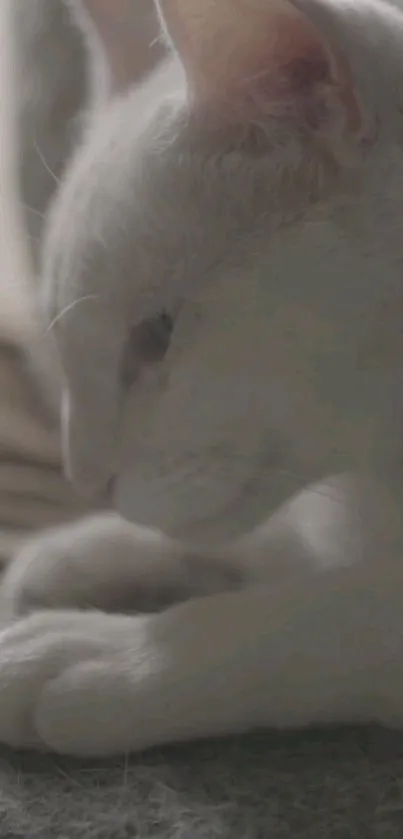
(64, 686)
(96, 563)
(65, 568)
(105, 563)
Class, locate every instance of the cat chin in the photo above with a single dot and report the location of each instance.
(144, 504)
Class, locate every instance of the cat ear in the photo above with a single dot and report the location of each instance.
(238, 53)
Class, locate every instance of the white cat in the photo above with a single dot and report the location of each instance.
(259, 205)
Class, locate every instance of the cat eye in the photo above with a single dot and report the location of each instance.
(148, 343)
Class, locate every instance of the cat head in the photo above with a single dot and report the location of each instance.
(260, 207)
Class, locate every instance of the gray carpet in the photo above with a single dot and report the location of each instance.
(337, 784)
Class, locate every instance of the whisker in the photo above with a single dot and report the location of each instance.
(44, 163)
(33, 211)
(68, 309)
(312, 488)
(335, 498)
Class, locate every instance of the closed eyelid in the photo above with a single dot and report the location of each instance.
(147, 344)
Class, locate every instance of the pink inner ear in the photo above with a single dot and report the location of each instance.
(236, 52)
(284, 63)
(289, 60)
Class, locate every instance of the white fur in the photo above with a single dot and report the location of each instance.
(299, 383)
(281, 264)
(323, 650)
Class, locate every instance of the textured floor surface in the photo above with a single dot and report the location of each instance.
(336, 785)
